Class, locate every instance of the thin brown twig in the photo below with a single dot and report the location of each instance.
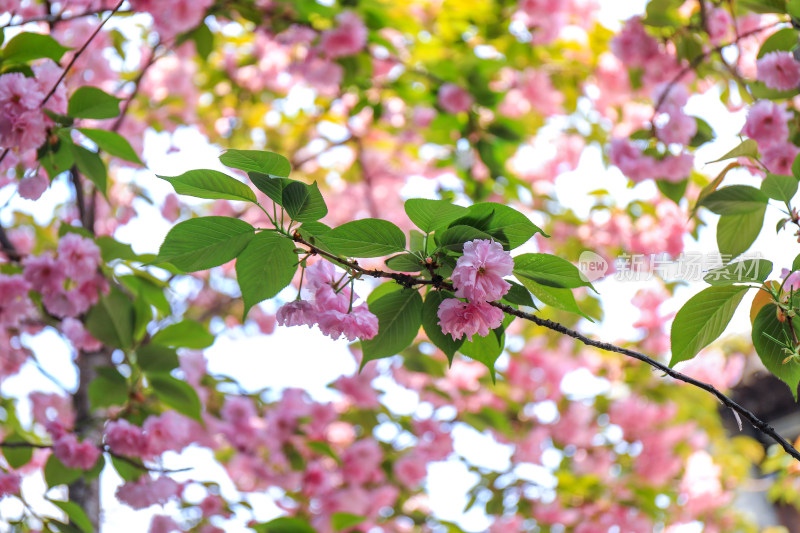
(438, 283)
(702, 57)
(59, 17)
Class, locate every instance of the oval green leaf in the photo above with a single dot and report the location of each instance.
(257, 161)
(266, 266)
(755, 270)
(205, 242)
(368, 237)
(702, 319)
(211, 184)
(430, 215)
(399, 318)
(91, 102)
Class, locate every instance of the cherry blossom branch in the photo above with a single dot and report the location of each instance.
(71, 63)
(702, 57)
(439, 283)
(105, 449)
(59, 17)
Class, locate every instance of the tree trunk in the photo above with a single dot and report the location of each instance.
(86, 492)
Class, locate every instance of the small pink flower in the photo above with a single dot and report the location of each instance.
(148, 491)
(680, 129)
(454, 99)
(43, 272)
(9, 484)
(15, 305)
(468, 318)
(80, 338)
(778, 158)
(410, 470)
(78, 256)
(359, 323)
(74, 454)
(675, 168)
(633, 45)
(126, 439)
(792, 281)
(347, 39)
(32, 187)
(779, 70)
(767, 123)
(478, 275)
(297, 313)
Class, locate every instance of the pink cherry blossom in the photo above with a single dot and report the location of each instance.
(779, 70)
(15, 304)
(359, 323)
(778, 158)
(680, 127)
(148, 491)
(9, 484)
(633, 45)
(47, 407)
(74, 454)
(347, 39)
(453, 99)
(410, 470)
(478, 275)
(163, 524)
(791, 280)
(32, 187)
(80, 338)
(361, 462)
(719, 25)
(78, 256)
(126, 439)
(767, 123)
(297, 313)
(468, 318)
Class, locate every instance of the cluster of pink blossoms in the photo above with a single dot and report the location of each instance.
(779, 70)
(331, 308)
(478, 277)
(768, 124)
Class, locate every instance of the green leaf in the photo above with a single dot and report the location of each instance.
(735, 200)
(112, 143)
(755, 270)
(111, 249)
(266, 266)
(793, 8)
(27, 46)
(211, 184)
(16, 457)
(91, 166)
(673, 191)
(736, 233)
(284, 525)
(257, 161)
(108, 388)
(781, 188)
(111, 320)
(431, 215)
(154, 359)
(784, 40)
(748, 148)
(91, 102)
(76, 515)
(368, 237)
(404, 263)
(203, 41)
(399, 318)
(454, 237)
(503, 223)
(430, 323)
(486, 349)
(147, 289)
(57, 158)
(549, 270)
(343, 521)
(272, 187)
(185, 334)
(518, 295)
(796, 263)
(56, 473)
(771, 353)
(702, 319)
(205, 242)
(554, 297)
(176, 394)
(304, 203)
(704, 134)
(127, 471)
